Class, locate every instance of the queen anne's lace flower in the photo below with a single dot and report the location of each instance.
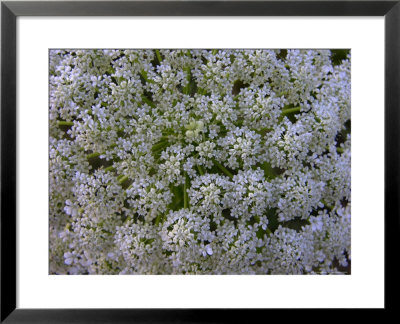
(199, 161)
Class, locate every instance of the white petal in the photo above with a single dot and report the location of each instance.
(68, 261)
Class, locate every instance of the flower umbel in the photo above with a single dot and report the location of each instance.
(200, 161)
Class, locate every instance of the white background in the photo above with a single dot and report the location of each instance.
(363, 288)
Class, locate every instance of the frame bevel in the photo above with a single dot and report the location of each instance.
(10, 10)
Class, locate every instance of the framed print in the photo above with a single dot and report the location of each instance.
(193, 153)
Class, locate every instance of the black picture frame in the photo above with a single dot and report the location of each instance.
(10, 10)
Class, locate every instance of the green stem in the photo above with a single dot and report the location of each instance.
(110, 168)
(159, 146)
(201, 171)
(122, 179)
(158, 219)
(223, 169)
(269, 233)
(264, 130)
(158, 54)
(214, 51)
(65, 123)
(185, 193)
(93, 155)
(186, 90)
(290, 110)
(143, 73)
(188, 73)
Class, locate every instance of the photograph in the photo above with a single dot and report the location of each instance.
(199, 161)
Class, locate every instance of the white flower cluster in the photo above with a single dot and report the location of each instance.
(200, 161)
